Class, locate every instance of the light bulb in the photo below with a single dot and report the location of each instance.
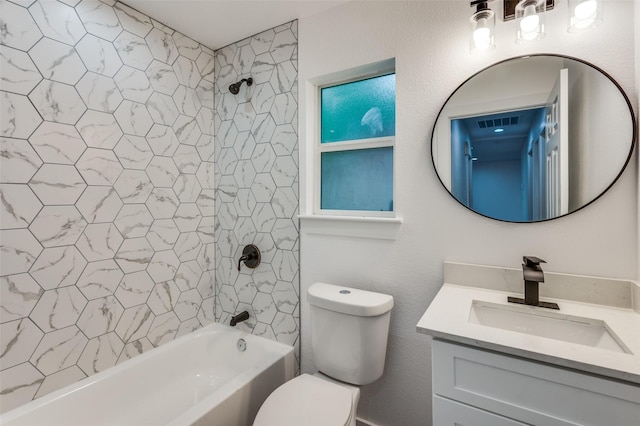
(531, 21)
(482, 38)
(585, 13)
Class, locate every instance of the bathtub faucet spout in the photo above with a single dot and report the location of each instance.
(242, 316)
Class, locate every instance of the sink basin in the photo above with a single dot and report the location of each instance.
(545, 323)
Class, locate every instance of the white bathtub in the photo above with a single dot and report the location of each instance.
(198, 379)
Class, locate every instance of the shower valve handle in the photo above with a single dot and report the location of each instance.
(250, 256)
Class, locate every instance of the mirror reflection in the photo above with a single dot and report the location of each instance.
(533, 138)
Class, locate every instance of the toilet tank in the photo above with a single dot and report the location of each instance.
(349, 329)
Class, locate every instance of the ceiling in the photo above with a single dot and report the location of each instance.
(217, 23)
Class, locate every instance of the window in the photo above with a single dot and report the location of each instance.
(355, 149)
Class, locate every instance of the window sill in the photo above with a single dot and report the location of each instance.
(384, 228)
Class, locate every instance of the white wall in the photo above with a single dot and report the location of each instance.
(429, 42)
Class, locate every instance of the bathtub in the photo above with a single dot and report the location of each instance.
(201, 378)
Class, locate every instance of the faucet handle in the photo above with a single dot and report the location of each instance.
(532, 261)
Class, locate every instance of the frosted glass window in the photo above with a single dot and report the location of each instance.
(357, 180)
(359, 110)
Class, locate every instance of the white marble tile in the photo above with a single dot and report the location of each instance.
(133, 152)
(263, 187)
(187, 72)
(133, 84)
(205, 93)
(99, 241)
(58, 380)
(163, 297)
(99, 19)
(134, 255)
(163, 266)
(285, 140)
(187, 217)
(18, 251)
(59, 350)
(226, 107)
(187, 101)
(164, 328)
(17, 339)
(57, 184)
(137, 347)
(227, 298)
(284, 78)
(261, 43)
(99, 55)
(57, 61)
(205, 120)
(227, 216)
(245, 145)
(187, 247)
(132, 20)
(244, 202)
(188, 326)
(134, 119)
(18, 295)
(285, 327)
(283, 45)
(162, 203)
(57, 267)
(134, 289)
(58, 308)
(134, 220)
(284, 171)
(133, 50)
(284, 108)
(245, 288)
(57, 102)
(263, 67)
(18, 206)
(284, 202)
(58, 226)
(18, 28)
(99, 129)
(100, 353)
(285, 297)
(264, 217)
(163, 234)
(162, 171)
(57, 143)
(58, 21)
(206, 66)
(206, 284)
(162, 77)
(135, 323)
(99, 204)
(263, 128)
(225, 55)
(244, 117)
(226, 133)
(186, 46)
(99, 92)
(262, 98)
(19, 385)
(245, 231)
(187, 188)
(245, 173)
(284, 234)
(18, 117)
(100, 279)
(264, 278)
(162, 46)
(162, 109)
(162, 140)
(264, 240)
(187, 159)
(133, 186)
(264, 308)
(19, 73)
(188, 304)
(18, 161)
(99, 167)
(206, 202)
(100, 316)
(285, 265)
(243, 59)
(162, 27)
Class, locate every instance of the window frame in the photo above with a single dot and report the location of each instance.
(349, 145)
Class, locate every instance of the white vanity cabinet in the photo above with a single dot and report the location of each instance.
(477, 387)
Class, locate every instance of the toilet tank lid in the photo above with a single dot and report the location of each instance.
(349, 300)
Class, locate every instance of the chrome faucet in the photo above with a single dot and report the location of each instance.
(533, 276)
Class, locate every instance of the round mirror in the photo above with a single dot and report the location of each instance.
(533, 138)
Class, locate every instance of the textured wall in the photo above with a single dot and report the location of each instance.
(106, 190)
(256, 176)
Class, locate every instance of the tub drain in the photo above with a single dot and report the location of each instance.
(241, 345)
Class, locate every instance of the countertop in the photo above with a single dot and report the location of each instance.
(616, 302)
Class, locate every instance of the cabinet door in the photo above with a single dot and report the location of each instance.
(447, 412)
(531, 392)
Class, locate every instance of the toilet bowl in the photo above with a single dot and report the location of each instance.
(310, 400)
(349, 330)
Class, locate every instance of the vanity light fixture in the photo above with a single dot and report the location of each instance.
(584, 14)
(482, 26)
(529, 14)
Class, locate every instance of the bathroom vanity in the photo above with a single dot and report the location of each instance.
(498, 363)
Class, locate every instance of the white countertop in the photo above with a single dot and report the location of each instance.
(611, 301)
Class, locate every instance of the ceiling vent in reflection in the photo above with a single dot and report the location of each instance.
(496, 122)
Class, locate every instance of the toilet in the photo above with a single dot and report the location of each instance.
(349, 329)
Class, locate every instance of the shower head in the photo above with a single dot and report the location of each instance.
(235, 87)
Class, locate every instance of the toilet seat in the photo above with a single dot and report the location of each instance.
(306, 401)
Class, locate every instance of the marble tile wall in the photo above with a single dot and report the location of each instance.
(106, 190)
(256, 179)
